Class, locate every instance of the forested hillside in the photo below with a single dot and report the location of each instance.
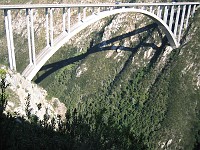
(125, 87)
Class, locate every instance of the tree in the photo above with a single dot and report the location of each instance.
(3, 95)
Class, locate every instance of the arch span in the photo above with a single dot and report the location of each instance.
(47, 52)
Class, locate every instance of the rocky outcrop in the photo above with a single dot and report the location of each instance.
(20, 88)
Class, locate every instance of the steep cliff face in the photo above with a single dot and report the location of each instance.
(124, 66)
(21, 92)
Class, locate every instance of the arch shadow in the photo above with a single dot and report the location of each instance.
(53, 67)
(47, 52)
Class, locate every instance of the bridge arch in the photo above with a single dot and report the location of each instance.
(31, 70)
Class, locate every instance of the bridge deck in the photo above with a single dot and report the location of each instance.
(35, 6)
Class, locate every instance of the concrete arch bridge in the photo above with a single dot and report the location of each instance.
(171, 17)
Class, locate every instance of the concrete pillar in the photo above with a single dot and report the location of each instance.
(29, 35)
(158, 11)
(68, 19)
(11, 40)
(84, 13)
(171, 20)
(194, 9)
(79, 14)
(165, 14)
(177, 19)
(182, 21)
(47, 25)
(64, 20)
(32, 37)
(98, 10)
(151, 9)
(51, 26)
(188, 15)
(160, 15)
(9, 36)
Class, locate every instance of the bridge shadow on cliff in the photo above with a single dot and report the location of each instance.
(53, 67)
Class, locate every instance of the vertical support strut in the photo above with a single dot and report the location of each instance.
(9, 36)
(51, 26)
(32, 37)
(11, 39)
(79, 14)
(29, 36)
(182, 21)
(188, 15)
(151, 9)
(160, 15)
(171, 17)
(98, 10)
(47, 26)
(158, 11)
(177, 19)
(64, 16)
(194, 9)
(84, 13)
(68, 19)
(165, 14)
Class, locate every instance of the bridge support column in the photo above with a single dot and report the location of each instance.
(177, 19)
(10, 43)
(171, 17)
(84, 13)
(98, 10)
(32, 37)
(159, 12)
(79, 14)
(194, 9)
(151, 9)
(161, 9)
(188, 15)
(47, 26)
(30, 32)
(29, 36)
(64, 16)
(165, 14)
(51, 26)
(68, 20)
(182, 21)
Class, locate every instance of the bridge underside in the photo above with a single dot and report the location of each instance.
(48, 51)
(168, 20)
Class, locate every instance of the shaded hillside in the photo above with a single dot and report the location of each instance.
(130, 73)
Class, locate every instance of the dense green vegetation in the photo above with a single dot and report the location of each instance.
(120, 102)
(77, 131)
(157, 106)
